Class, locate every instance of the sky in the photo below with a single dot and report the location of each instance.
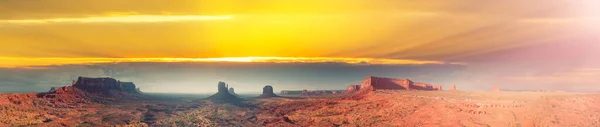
(189, 45)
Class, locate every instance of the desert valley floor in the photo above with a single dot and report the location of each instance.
(380, 108)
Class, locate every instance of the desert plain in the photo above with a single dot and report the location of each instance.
(78, 107)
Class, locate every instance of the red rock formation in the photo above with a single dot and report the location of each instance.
(64, 93)
(352, 88)
(20, 99)
(425, 86)
(371, 84)
(375, 83)
(65, 90)
(420, 85)
(438, 87)
(267, 92)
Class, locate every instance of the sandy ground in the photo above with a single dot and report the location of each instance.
(383, 108)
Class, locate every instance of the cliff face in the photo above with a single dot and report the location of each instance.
(371, 84)
(128, 87)
(352, 88)
(385, 83)
(375, 83)
(104, 85)
(96, 85)
(425, 86)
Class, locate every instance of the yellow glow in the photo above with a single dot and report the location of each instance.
(15, 62)
(431, 30)
(123, 19)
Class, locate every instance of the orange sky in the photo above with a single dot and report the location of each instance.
(436, 30)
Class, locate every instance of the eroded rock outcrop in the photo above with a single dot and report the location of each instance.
(223, 94)
(267, 92)
(437, 88)
(98, 86)
(372, 83)
(128, 87)
(424, 86)
(104, 85)
(83, 90)
(375, 83)
(352, 88)
(66, 94)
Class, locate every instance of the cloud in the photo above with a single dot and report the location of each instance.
(21, 62)
(432, 30)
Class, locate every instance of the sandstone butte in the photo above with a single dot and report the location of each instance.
(82, 92)
(267, 92)
(372, 83)
(223, 94)
(232, 91)
(86, 87)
